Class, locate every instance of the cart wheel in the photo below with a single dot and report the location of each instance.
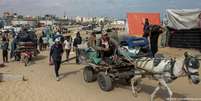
(26, 61)
(89, 74)
(125, 82)
(105, 82)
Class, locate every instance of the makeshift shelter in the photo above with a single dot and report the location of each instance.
(183, 19)
(136, 20)
(184, 31)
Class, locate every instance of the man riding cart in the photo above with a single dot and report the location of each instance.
(105, 63)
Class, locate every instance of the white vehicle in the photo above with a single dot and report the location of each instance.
(17, 29)
(7, 27)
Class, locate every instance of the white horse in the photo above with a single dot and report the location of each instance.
(165, 71)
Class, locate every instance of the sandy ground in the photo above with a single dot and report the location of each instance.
(42, 86)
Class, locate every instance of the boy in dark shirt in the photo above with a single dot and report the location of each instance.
(56, 55)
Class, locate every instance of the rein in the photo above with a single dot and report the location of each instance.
(172, 63)
(188, 73)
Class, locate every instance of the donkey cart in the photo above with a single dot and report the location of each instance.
(107, 71)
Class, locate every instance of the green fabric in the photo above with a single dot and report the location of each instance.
(127, 54)
(51, 42)
(93, 57)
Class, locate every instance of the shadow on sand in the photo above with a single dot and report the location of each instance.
(36, 58)
(72, 58)
(63, 75)
(148, 89)
(39, 57)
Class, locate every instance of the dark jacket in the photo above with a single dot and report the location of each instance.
(56, 52)
(40, 40)
(13, 47)
(4, 45)
(155, 32)
(77, 41)
(146, 30)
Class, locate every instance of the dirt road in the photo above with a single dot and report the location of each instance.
(42, 86)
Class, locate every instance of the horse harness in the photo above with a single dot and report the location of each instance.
(146, 60)
(156, 62)
(172, 64)
(186, 70)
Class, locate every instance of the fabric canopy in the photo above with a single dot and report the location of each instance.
(183, 19)
(136, 20)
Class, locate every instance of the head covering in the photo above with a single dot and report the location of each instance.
(57, 33)
(57, 39)
(104, 33)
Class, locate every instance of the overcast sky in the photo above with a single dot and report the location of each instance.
(115, 8)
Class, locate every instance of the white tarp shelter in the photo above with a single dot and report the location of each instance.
(183, 19)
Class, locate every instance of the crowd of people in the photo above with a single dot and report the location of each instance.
(59, 47)
(104, 45)
(59, 44)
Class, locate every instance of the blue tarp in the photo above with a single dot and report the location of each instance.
(136, 41)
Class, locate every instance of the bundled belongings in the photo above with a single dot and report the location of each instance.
(25, 40)
(26, 37)
(91, 56)
(25, 51)
(24, 46)
(135, 42)
(107, 70)
(29, 45)
(135, 46)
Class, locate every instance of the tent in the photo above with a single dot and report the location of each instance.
(136, 20)
(184, 31)
(183, 19)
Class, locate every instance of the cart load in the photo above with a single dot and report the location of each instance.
(135, 42)
(90, 55)
(135, 46)
(27, 45)
(24, 47)
(107, 70)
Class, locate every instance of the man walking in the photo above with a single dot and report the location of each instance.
(156, 30)
(40, 41)
(4, 46)
(77, 41)
(56, 56)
